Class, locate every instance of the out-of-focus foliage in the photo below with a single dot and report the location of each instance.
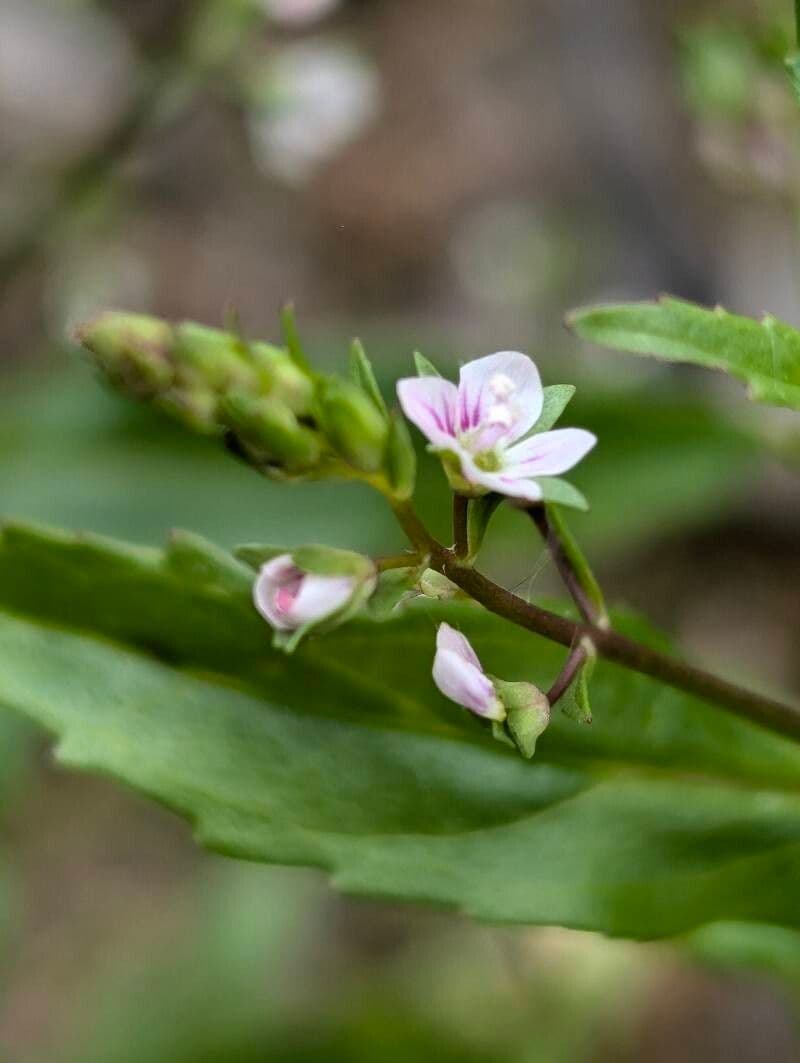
(343, 756)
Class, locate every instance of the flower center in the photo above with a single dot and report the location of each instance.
(488, 461)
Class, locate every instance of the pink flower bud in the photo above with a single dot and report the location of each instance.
(459, 675)
(289, 598)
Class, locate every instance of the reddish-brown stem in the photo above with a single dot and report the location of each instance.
(775, 715)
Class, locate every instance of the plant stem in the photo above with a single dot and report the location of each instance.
(577, 655)
(461, 525)
(407, 560)
(775, 715)
(571, 564)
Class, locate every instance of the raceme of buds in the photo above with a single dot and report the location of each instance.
(459, 675)
(283, 418)
(311, 587)
(480, 427)
(187, 369)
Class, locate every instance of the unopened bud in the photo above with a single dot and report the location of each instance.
(281, 378)
(434, 585)
(272, 428)
(211, 357)
(311, 587)
(132, 350)
(353, 425)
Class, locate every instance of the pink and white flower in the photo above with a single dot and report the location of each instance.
(479, 426)
(458, 673)
(289, 598)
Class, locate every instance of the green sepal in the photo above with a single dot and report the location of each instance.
(254, 555)
(423, 366)
(352, 425)
(330, 561)
(556, 399)
(364, 376)
(574, 701)
(401, 458)
(561, 492)
(500, 733)
(479, 513)
(527, 713)
(291, 338)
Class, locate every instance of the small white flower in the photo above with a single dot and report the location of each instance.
(457, 672)
(289, 598)
(479, 426)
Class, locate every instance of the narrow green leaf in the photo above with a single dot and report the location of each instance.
(292, 339)
(364, 375)
(424, 367)
(765, 354)
(556, 400)
(479, 514)
(665, 814)
(561, 492)
(401, 458)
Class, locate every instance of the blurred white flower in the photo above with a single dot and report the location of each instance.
(319, 97)
(299, 12)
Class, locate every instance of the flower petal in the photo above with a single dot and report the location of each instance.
(464, 682)
(430, 403)
(549, 453)
(505, 482)
(320, 596)
(508, 379)
(447, 638)
(271, 577)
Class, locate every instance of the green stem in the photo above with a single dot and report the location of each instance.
(759, 709)
(407, 560)
(573, 567)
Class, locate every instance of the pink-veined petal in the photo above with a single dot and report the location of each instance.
(280, 572)
(320, 596)
(503, 482)
(430, 403)
(447, 638)
(548, 454)
(480, 389)
(463, 681)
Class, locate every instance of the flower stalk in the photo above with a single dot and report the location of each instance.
(572, 566)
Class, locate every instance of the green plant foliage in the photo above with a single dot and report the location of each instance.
(765, 354)
(152, 667)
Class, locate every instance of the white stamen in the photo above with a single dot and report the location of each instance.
(501, 414)
(501, 386)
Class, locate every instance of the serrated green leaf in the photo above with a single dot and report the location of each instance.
(665, 814)
(765, 354)
(556, 400)
(364, 375)
(423, 366)
(561, 492)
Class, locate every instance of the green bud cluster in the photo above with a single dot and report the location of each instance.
(287, 420)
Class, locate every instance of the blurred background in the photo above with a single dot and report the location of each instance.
(448, 175)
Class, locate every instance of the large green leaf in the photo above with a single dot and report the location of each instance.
(153, 667)
(764, 354)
